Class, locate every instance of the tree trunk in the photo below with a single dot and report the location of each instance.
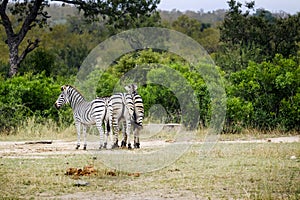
(13, 69)
(14, 39)
(13, 60)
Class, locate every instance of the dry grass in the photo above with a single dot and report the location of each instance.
(251, 134)
(230, 171)
(31, 130)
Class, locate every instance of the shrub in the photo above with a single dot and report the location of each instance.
(28, 95)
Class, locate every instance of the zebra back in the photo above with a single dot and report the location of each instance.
(122, 106)
(138, 115)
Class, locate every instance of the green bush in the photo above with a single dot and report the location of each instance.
(264, 95)
(272, 88)
(26, 96)
(160, 76)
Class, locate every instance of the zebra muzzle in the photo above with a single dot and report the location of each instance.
(56, 106)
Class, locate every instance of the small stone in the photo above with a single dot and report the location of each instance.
(293, 158)
(81, 183)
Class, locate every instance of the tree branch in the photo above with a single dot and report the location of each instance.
(30, 47)
(5, 20)
(29, 19)
(72, 2)
(44, 15)
(90, 8)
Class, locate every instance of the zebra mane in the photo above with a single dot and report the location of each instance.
(70, 86)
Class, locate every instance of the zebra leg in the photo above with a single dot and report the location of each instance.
(136, 133)
(105, 134)
(109, 127)
(77, 124)
(110, 131)
(115, 133)
(84, 136)
(100, 129)
(124, 139)
(128, 129)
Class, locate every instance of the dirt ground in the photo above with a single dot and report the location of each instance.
(45, 148)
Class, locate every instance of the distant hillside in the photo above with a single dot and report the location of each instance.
(60, 13)
(210, 17)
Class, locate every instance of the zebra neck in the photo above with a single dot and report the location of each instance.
(76, 100)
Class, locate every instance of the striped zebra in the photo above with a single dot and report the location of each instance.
(122, 111)
(138, 114)
(87, 113)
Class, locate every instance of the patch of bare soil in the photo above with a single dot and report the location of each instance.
(42, 149)
(272, 140)
(157, 194)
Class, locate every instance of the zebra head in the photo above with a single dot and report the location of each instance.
(131, 89)
(63, 97)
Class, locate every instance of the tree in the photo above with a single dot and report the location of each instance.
(31, 13)
(259, 36)
(203, 33)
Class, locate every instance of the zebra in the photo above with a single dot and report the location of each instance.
(87, 113)
(122, 110)
(138, 115)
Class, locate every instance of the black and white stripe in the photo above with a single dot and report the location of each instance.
(138, 115)
(123, 109)
(86, 113)
(107, 121)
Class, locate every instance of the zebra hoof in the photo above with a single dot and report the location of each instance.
(78, 145)
(105, 145)
(84, 147)
(123, 144)
(102, 146)
(129, 146)
(115, 145)
(137, 145)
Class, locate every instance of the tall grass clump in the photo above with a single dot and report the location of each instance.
(32, 129)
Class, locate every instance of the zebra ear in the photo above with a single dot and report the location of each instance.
(135, 87)
(63, 87)
(127, 88)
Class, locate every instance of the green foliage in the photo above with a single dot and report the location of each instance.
(258, 56)
(121, 14)
(272, 89)
(26, 96)
(256, 37)
(156, 73)
(212, 17)
(203, 33)
(238, 115)
(39, 61)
